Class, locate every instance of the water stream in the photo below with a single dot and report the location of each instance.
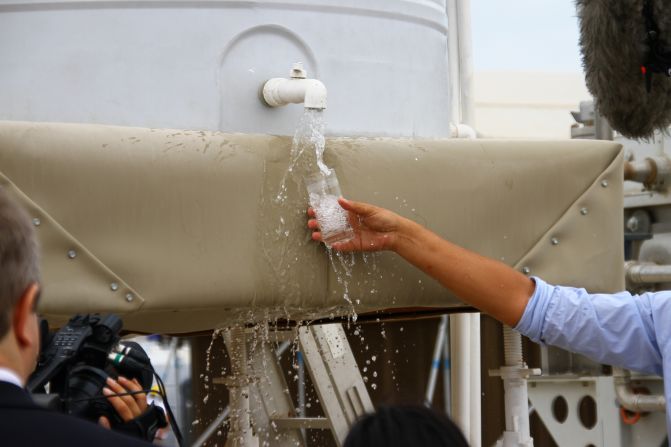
(307, 158)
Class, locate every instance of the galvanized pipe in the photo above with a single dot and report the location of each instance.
(653, 172)
(435, 361)
(646, 273)
(631, 400)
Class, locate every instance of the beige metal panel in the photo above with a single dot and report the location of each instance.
(187, 221)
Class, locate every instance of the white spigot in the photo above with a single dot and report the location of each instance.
(295, 90)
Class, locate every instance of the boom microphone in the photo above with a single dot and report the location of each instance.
(626, 48)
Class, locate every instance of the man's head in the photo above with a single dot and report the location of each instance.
(19, 290)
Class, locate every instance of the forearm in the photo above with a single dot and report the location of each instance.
(484, 283)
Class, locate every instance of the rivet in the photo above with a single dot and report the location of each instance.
(604, 183)
(129, 297)
(37, 222)
(554, 241)
(72, 254)
(114, 287)
(526, 270)
(583, 211)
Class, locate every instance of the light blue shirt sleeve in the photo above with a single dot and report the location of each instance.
(614, 329)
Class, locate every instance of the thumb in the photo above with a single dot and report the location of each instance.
(360, 208)
(104, 422)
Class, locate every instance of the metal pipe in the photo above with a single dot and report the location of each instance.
(633, 401)
(475, 436)
(602, 128)
(435, 361)
(653, 172)
(646, 272)
(453, 61)
(209, 431)
(466, 356)
(466, 62)
(460, 345)
(639, 171)
(447, 386)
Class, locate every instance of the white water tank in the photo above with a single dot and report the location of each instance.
(199, 64)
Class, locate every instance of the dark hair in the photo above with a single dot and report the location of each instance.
(400, 426)
(19, 263)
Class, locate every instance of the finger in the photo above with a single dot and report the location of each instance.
(134, 385)
(317, 236)
(127, 399)
(104, 422)
(313, 224)
(311, 212)
(122, 409)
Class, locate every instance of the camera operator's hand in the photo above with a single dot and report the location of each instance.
(128, 406)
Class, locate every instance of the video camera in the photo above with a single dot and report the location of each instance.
(76, 362)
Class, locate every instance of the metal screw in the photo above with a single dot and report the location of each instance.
(36, 221)
(583, 211)
(72, 254)
(129, 297)
(526, 270)
(604, 183)
(554, 241)
(114, 287)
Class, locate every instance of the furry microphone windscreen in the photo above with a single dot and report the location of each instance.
(618, 49)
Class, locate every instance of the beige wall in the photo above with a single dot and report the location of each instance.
(527, 105)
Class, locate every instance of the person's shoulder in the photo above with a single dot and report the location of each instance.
(37, 426)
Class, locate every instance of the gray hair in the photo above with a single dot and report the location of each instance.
(19, 258)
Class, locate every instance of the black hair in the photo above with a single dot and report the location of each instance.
(405, 426)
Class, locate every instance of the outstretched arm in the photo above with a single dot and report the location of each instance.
(484, 283)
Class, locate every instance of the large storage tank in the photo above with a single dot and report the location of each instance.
(199, 64)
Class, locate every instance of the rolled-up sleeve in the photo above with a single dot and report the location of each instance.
(615, 329)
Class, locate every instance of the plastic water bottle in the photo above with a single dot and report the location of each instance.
(324, 191)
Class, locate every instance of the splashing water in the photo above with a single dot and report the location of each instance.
(307, 158)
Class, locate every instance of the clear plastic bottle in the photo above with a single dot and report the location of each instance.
(324, 191)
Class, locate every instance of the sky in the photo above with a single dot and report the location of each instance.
(525, 35)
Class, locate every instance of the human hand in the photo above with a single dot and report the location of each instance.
(374, 228)
(128, 406)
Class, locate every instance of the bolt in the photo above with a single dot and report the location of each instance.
(632, 224)
(114, 287)
(129, 297)
(604, 183)
(526, 270)
(36, 221)
(72, 254)
(583, 211)
(554, 241)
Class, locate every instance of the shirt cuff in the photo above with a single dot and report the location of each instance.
(532, 322)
